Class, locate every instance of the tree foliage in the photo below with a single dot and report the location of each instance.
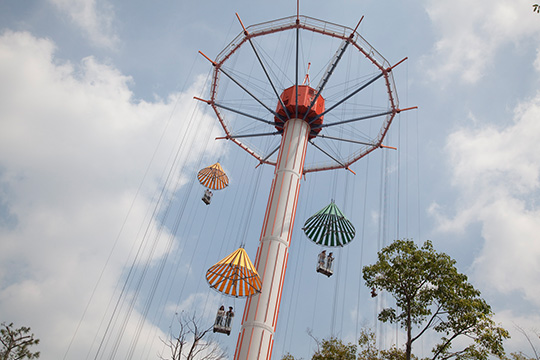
(369, 351)
(192, 341)
(16, 343)
(334, 349)
(430, 294)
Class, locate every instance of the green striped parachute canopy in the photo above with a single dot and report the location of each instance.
(329, 227)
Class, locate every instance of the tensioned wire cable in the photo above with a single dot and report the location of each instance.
(249, 209)
(347, 205)
(129, 279)
(179, 217)
(130, 273)
(115, 243)
(338, 275)
(175, 234)
(245, 218)
(239, 189)
(145, 269)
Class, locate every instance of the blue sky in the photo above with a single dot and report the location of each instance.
(97, 119)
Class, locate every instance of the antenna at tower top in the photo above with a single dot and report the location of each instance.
(306, 78)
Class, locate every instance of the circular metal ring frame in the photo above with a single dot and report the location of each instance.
(254, 100)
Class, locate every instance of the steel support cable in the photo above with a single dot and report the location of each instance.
(174, 169)
(348, 194)
(399, 182)
(280, 73)
(314, 316)
(295, 291)
(157, 277)
(418, 177)
(145, 236)
(229, 223)
(383, 205)
(115, 243)
(326, 153)
(338, 275)
(366, 117)
(256, 84)
(266, 72)
(347, 97)
(253, 135)
(322, 136)
(142, 248)
(330, 70)
(181, 212)
(177, 226)
(219, 105)
(213, 235)
(362, 240)
(249, 92)
(249, 209)
(130, 273)
(237, 199)
(211, 246)
(174, 234)
(146, 264)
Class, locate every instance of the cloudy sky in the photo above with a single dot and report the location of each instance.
(103, 237)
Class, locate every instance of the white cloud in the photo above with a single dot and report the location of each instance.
(470, 34)
(74, 147)
(497, 174)
(96, 22)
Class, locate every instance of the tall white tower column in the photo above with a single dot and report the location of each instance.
(259, 320)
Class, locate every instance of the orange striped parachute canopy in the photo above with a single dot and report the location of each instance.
(235, 275)
(213, 177)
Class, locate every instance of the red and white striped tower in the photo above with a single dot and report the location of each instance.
(301, 121)
(260, 317)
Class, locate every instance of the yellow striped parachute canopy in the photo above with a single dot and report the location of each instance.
(235, 275)
(213, 177)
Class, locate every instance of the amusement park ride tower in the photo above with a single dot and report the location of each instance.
(298, 118)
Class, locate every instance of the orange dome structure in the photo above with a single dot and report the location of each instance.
(311, 114)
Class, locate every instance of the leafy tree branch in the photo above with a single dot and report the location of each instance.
(430, 294)
(16, 343)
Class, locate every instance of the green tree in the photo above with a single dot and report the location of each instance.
(430, 294)
(369, 351)
(16, 343)
(334, 349)
(288, 356)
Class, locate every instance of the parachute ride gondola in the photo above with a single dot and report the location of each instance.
(329, 228)
(213, 178)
